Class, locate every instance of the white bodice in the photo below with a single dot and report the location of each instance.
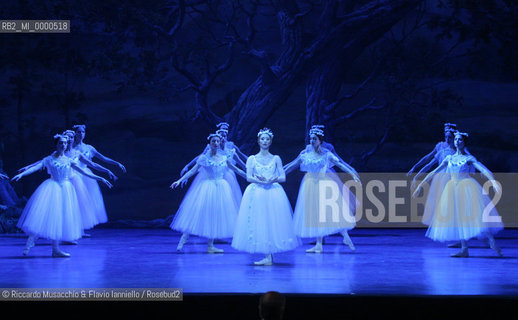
(73, 154)
(213, 167)
(59, 169)
(315, 162)
(460, 166)
(266, 170)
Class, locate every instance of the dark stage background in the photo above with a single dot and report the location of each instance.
(152, 79)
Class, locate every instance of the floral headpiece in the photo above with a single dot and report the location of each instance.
(449, 125)
(462, 134)
(212, 135)
(77, 126)
(223, 126)
(265, 131)
(450, 130)
(69, 133)
(221, 131)
(317, 129)
(61, 136)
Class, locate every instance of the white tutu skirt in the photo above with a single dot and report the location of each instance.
(96, 214)
(463, 212)
(52, 212)
(86, 209)
(264, 224)
(230, 176)
(309, 220)
(208, 209)
(434, 195)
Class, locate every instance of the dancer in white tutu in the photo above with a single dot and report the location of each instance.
(265, 223)
(232, 151)
(440, 178)
(462, 211)
(435, 158)
(89, 152)
(209, 208)
(88, 213)
(309, 219)
(52, 212)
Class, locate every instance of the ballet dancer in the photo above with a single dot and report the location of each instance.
(439, 180)
(317, 161)
(232, 151)
(52, 211)
(459, 214)
(209, 208)
(264, 224)
(88, 212)
(89, 152)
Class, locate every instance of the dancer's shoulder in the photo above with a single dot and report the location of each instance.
(441, 145)
(332, 157)
(250, 162)
(471, 158)
(229, 144)
(202, 159)
(90, 147)
(47, 159)
(277, 159)
(85, 148)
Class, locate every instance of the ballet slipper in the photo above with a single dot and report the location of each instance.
(211, 248)
(214, 250)
(72, 243)
(455, 245)
(56, 251)
(183, 240)
(463, 253)
(316, 249)
(267, 261)
(349, 242)
(59, 254)
(493, 245)
(28, 246)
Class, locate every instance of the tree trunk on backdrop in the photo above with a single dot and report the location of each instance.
(344, 40)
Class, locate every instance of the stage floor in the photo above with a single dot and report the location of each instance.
(386, 262)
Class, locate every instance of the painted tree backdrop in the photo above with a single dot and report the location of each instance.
(151, 79)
